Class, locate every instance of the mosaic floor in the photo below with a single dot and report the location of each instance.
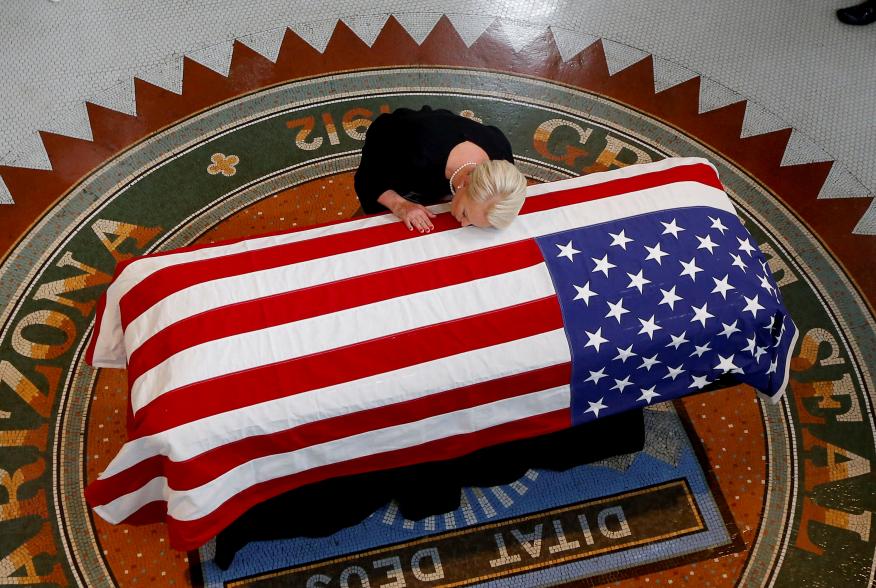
(728, 491)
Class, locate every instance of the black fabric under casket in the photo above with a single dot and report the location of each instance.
(426, 489)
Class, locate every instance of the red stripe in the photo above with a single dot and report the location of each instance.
(708, 177)
(699, 173)
(262, 313)
(187, 535)
(149, 514)
(343, 364)
(211, 464)
(105, 490)
(168, 280)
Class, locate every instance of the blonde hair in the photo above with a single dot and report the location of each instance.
(499, 183)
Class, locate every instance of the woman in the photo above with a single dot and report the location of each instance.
(414, 158)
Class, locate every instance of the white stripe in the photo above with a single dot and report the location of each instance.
(324, 332)
(775, 398)
(235, 289)
(213, 294)
(189, 505)
(455, 371)
(109, 349)
(124, 506)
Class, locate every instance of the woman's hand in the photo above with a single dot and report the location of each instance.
(415, 216)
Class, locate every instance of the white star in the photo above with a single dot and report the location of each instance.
(655, 253)
(725, 364)
(673, 372)
(765, 284)
(772, 324)
(620, 239)
(752, 305)
(584, 293)
(751, 344)
(595, 407)
(677, 341)
(603, 265)
(745, 246)
(619, 385)
(737, 261)
(596, 376)
(595, 339)
(671, 228)
(638, 281)
(699, 382)
(690, 269)
(722, 286)
(773, 365)
(700, 350)
(617, 310)
(649, 326)
(760, 351)
(648, 394)
(701, 314)
(648, 362)
(625, 354)
(729, 329)
(717, 224)
(670, 298)
(706, 243)
(567, 251)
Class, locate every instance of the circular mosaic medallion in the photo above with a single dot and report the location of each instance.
(774, 491)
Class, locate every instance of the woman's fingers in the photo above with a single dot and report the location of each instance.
(418, 218)
(427, 214)
(412, 220)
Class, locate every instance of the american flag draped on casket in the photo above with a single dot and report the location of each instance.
(259, 365)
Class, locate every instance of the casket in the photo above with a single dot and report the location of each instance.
(262, 365)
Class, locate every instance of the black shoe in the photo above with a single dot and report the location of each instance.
(860, 14)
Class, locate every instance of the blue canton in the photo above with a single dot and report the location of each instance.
(663, 305)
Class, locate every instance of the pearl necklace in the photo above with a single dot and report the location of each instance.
(453, 175)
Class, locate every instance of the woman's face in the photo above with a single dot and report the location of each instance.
(468, 211)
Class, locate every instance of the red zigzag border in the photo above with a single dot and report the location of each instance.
(36, 191)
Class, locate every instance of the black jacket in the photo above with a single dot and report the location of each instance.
(407, 151)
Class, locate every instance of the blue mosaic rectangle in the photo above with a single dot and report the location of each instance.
(668, 456)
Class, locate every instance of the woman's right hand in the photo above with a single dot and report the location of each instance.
(412, 214)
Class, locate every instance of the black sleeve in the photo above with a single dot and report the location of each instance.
(376, 172)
